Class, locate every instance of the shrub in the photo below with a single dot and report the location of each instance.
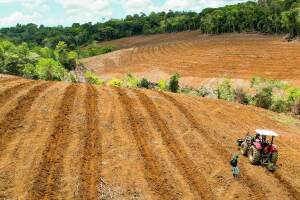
(144, 83)
(293, 94)
(255, 81)
(45, 52)
(72, 59)
(280, 104)
(296, 108)
(174, 83)
(162, 85)
(92, 79)
(259, 83)
(263, 98)
(240, 96)
(30, 71)
(186, 90)
(225, 91)
(131, 81)
(202, 92)
(294, 99)
(115, 83)
(49, 69)
(94, 50)
(250, 100)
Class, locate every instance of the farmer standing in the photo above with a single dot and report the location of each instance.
(234, 167)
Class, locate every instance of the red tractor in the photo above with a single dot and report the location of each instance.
(259, 149)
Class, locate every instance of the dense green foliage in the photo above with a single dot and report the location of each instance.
(94, 50)
(267, 16)
(82, 34)
(225, 91)
(174, 83)
(92, 79)
(131, 81)
(115, 83)
(144, 83)
(37, 63)
(162, 85)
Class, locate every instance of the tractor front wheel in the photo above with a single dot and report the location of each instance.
(254, 155)
(244, 148)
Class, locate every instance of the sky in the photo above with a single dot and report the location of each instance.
(66, 12)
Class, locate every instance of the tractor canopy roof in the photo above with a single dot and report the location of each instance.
(267, 133)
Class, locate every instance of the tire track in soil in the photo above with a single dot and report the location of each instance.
(247, 179)
(154, 174)
(13, 119)
(188, 168)
(47, 182)
(90, 169)
(7, 94)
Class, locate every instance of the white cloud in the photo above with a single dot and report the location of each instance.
(83, 11)
(86, 10)
(18, 17)
(29, 5)
(137, 6)
(196, 5)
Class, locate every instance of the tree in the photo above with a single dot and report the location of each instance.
(174, 83)
(226, 91)
(49, 69)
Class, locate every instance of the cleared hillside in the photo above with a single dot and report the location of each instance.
(76, 141)
(201, 59)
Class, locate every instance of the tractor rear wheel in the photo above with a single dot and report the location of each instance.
(244, 148)
(254, 155)
(274, 157)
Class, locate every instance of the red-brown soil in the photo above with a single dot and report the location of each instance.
(201, 59)
(77, 141)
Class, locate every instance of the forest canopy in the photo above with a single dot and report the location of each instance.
(266, 16)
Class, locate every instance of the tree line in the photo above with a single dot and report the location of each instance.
(267, 16)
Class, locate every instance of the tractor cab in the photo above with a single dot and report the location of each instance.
(264, 140)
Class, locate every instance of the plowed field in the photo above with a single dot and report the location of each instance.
(76, 141)
(201, 59)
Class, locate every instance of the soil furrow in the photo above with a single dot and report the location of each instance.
(154, 173)
(294, 193)
(47, 182)
(7, 94)
(13, 120)
(189, 169)
(91, 160)
(10, 129)
(247, 179)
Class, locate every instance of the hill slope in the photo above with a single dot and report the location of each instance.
(201, 59)
(77, 141)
